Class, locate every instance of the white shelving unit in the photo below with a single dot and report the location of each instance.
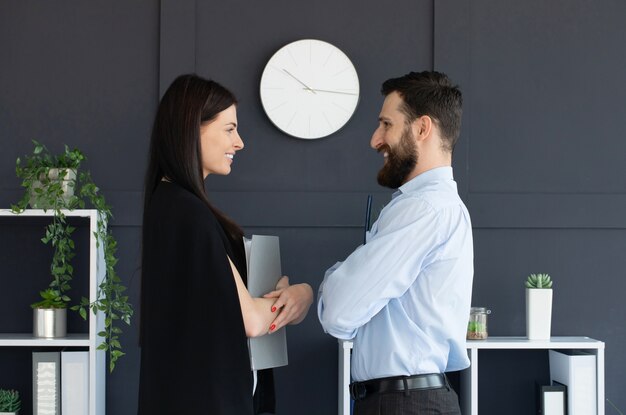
(97, 358)
(469, 377)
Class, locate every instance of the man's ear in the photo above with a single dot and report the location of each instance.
(422, 127)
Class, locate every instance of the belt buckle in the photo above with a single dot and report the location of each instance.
(357, 391)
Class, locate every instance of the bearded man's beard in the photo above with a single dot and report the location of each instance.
(401, 161)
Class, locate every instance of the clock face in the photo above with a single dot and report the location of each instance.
(309, 89)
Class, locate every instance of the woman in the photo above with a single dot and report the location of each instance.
(196, 312)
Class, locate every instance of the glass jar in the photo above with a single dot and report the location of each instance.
(477, 326)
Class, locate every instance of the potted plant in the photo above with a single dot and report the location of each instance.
(50, 314)
(10, 402)
(538, 306)
(49, 180)
(50, 185)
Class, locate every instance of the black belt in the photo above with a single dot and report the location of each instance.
(359, 390)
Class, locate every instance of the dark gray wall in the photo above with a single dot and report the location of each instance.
(85, 74)
(544, 86)
(539, 163)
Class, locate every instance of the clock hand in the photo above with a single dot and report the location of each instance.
(332, 92)
(305, 85)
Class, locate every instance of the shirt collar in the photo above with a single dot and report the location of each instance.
(436, 174)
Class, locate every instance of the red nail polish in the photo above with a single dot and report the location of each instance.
(273, 309)
(272, 327)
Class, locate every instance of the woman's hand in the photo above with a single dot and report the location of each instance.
(282, 283)
(293, 302)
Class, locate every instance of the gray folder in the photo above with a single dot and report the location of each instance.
(264, 271)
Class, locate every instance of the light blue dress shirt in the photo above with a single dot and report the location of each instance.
(404, 296)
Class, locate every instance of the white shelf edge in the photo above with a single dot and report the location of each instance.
(40, 212)
(27, 339)
(520, 342)
(523, 343)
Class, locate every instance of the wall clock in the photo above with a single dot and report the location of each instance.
(309, 89)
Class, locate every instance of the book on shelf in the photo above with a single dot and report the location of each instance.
(576, 369)
(264, 271)
(552, 399)
(61, 383)
(46, 383)
(74, 382)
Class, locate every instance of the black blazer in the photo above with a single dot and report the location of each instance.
(194, 354)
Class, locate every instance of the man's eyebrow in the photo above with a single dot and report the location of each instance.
(381, 118)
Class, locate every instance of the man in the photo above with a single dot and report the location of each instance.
(404, 296)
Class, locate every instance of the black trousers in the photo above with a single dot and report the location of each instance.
(442, 401)
(264, 397)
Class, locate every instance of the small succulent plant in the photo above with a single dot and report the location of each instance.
(9, 400)
(539, 281)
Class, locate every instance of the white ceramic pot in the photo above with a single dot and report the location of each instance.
(49, 322)
(67, 185)
(538, 313)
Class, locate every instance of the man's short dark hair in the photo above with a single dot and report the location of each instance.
(433, 94)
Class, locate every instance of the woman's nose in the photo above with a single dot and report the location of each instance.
(239, 142)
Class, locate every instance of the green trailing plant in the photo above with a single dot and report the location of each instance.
(10, 400)
(538, 281)
(47, 191)
(46, 178)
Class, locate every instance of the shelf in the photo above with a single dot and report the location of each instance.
(524, 343)
(96, 389)
(27, 339)
(469, 376)
(566, 342)
(40, 212)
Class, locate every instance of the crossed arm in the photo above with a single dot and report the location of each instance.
(288, 304)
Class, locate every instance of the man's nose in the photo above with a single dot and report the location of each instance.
(376, 140)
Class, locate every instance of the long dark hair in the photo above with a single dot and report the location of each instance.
(175, 143)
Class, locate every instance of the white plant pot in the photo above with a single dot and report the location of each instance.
(538, 313)
(49, 322)
(9, 413)
(67, 185)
